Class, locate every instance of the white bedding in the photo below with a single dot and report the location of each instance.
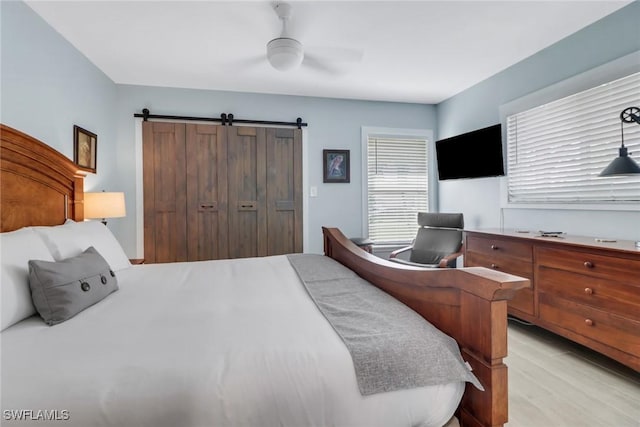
(213, 343)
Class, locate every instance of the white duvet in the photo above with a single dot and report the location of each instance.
(213, 343)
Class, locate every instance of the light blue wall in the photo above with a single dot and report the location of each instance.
(479, 199)
(48, 86)
(332, 124)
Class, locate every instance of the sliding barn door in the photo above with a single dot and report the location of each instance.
(284, 191)
(265, 191)
(185, 192)
(165, 185)
(206, 154)
(246, 162)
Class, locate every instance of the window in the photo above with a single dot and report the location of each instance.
(556, 151)
(397, 186)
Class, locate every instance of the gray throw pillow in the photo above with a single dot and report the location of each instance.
(62, 289)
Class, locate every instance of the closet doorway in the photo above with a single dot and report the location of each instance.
(216, 192)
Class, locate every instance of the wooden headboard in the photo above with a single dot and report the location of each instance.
(38, 185)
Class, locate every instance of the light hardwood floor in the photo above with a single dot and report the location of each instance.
(554, 382)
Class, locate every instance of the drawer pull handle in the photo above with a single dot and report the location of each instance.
(494, 266)
(207, 206)
(588, 291)
(588, 264)
(588, 322)
(494, 247)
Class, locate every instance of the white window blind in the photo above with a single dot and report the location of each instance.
(556, 151)
(397, 187)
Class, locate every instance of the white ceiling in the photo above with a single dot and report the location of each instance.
(411, 51)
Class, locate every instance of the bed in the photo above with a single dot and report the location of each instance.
(233, 342)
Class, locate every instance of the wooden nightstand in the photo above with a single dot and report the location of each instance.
(136, 261)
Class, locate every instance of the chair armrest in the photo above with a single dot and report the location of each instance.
(397, 252)
(415, 264)
(444, 262)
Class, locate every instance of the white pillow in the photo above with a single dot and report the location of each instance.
(73, 238)
(16, 249)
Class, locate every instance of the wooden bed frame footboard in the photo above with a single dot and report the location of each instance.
(469, 304)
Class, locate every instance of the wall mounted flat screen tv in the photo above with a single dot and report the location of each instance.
(474, 154)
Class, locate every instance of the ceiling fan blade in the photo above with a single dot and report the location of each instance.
(336, 54)
(310, 61)
(249, 61)
(341, 63)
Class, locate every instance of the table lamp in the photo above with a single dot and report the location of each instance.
(104, 205)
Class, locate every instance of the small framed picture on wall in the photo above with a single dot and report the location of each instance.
(335, 164)
(85, 148)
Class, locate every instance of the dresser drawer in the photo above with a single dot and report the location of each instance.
(605, 294)
(610, 329)
(516, 266)
(591, 264)
(523, 300)
(500, 247)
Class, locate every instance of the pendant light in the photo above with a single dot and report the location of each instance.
(623, 164)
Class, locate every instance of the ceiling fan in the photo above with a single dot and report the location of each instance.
(285, 53)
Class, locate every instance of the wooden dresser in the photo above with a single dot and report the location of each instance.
(582, 289)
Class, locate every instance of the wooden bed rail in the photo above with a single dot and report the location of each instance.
(469, 304)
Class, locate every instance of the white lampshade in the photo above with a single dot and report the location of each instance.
(104, 205)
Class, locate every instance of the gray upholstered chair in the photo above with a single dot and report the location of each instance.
(438, 242)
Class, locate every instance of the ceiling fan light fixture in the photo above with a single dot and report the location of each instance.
(284, 53)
